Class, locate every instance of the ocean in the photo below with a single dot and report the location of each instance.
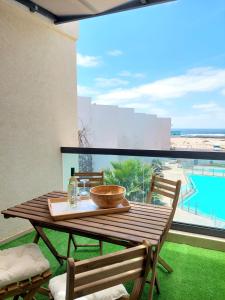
(195, 132)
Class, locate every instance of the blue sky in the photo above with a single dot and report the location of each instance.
(166, 59)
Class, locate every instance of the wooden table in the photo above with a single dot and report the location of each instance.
(142, 222)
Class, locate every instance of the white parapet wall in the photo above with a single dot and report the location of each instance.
(37, 106)
(110, 126)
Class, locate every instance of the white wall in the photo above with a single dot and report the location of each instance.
(37, 107)
(111, 126)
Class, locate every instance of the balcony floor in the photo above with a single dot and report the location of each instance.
(198, 273)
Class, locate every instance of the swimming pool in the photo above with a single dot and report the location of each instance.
(209, 198)
(210, 170)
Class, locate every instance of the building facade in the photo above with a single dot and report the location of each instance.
(37, 106)
(110, 126)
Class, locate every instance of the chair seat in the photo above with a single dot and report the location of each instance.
(20, 263)
(57, 286)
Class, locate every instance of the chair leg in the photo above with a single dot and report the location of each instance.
(68, 245)
(71, 238)
(154, 275)
(30, 294)
(74, 242)
(157, 284)
(165, 265)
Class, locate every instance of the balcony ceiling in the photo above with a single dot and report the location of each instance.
(61, 11)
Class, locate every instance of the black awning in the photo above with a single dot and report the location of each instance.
(61, 11)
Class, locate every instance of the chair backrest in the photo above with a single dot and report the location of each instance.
(94, 178)
(164, 187)
(96, 274)
(170, 189)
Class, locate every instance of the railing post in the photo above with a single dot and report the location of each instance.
(196, 208)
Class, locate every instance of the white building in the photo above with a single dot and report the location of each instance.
(110, 126)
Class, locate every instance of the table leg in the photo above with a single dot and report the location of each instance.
(165, 265)
(47, 242)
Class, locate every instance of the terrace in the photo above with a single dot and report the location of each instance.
(40, 145)
(193, 267)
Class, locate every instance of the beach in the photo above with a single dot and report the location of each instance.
(198, 143)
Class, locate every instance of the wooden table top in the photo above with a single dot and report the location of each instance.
(142, 222)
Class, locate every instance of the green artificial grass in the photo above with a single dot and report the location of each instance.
(199, 274)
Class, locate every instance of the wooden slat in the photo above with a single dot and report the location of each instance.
(160, 192)
(32, 208)
(126, 225)
(148, 213)
(165, 187)
(153, 208)
(75, 228)
(31, 212)
(155, 229)
(89, 224)
(115, 229)
(147, 205)
(150, 225)
(136, 218)
(24, 286)
(168, 181)
(101, 261)
(110, 269)
(106, 283)
(140, 217)
(144, 217)
(141, 222)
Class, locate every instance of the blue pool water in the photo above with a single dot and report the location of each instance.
(209, 198)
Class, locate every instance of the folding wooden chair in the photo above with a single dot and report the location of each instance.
(23, 270)
(102, 276)
(171, 190)
(94, 179)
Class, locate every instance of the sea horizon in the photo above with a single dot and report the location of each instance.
(198, 132)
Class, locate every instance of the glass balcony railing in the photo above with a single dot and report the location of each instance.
(202, 198)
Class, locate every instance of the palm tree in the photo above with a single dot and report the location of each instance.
(134, 175)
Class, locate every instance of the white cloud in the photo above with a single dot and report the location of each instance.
(115, 52)
(211, 106)
(200, 120)
(88, 61)
(194, 80)
(130, 74)
(204, 115)
(110, 82)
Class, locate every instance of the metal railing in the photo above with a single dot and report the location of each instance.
(178, 156)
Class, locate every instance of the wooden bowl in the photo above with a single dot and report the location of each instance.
(107, 196)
